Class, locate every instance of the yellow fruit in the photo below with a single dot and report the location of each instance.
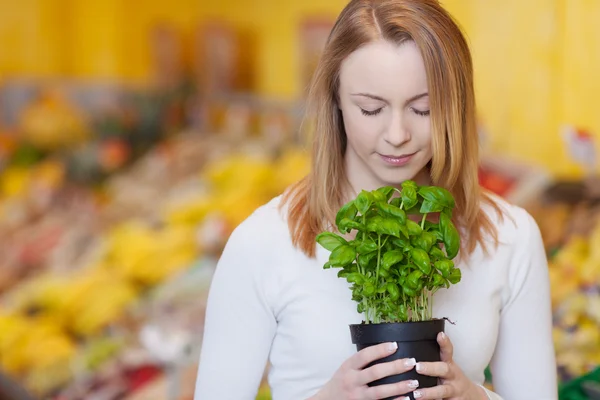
(15, 181)
(191, 212)
(51, 122)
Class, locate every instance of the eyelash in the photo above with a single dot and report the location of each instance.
(375, 112)
(421, 113)
(371, 113)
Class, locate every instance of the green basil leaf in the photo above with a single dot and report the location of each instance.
(346, 225)
(413, 279)
(393, 290)
(364, 202)
(448, 212)
(455, 276)
(330, 241)
(393, 211)
(421, 259)
(384, 226)
(409, 197)
(387, 191)
(415, 210)
(348, 210)
(366, 246)
(342, 256)
(437, 195)
(390, 258)
(425, 241)
(400, 242)
(409, 184)
(438, 280)
(451, 237)
(429, 206)
(404, 231)
(444, 266)
(369, 289)
(378, 197)
(343, 273)
(402, 313)
(414, 229)
(384, 273)
(409, 291)
(431, 226)
(360, 308)
(374, 223)
(430, 238)
(365, 259)
(355, 277)
(327, 265)
(396, 202)
(437, 253)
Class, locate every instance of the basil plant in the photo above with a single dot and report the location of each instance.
(394, 264)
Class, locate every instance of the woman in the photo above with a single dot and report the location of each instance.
(392, 99)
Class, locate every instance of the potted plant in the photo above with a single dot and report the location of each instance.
(395, 265)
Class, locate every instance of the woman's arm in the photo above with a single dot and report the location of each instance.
(239, 324)
(524, 365)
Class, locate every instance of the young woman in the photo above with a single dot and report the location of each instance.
(392, 99)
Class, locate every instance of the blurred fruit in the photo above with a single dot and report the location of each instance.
(50, 123)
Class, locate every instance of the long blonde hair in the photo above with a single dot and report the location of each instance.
(314, 201)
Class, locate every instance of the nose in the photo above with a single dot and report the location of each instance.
(397, 132)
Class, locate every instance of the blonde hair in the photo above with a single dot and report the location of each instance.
(314, 201)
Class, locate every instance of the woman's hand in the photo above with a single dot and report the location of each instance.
(454, 384)
(350, 381)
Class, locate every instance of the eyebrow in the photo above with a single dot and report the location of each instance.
(372, 96)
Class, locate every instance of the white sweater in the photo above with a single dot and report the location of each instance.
(269, 302)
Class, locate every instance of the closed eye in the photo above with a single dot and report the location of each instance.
(421, 113)
(371, 113)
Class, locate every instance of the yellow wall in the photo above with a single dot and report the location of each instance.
(536, 61)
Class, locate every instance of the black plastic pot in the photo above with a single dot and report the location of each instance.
(416, 340)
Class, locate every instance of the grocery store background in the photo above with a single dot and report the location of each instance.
(134, 136)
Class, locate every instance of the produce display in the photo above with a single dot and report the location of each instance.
(84, 307)
(572, 235)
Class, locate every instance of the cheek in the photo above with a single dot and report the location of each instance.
(420, 128)
(360, 130)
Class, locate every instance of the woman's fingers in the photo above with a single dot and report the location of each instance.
(383, 370)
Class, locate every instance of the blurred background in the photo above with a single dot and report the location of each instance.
(135, 135)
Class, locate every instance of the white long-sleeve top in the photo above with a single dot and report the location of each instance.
(270, 302)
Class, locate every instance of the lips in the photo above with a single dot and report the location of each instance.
(397, 160)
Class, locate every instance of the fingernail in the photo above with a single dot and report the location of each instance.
(392, 347)
(417, 394)
(420, 367)
(410, 362)
(413, 384)
(403, 398)
(443, 336)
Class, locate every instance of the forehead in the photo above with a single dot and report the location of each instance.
(384, 69)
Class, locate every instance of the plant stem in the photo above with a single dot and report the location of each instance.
(423, 305)
(378, 259)
(423, 221)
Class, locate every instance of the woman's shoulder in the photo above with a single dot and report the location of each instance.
(266, 224)
(514, 225)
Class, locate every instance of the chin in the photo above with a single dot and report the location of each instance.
(395, 179)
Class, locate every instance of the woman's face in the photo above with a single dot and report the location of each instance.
(384, 101)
